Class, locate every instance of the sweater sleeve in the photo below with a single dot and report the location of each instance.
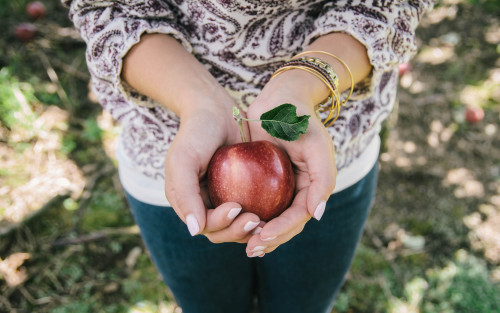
(110, 29)
(385, 28)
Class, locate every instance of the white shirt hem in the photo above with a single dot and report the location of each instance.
(151, 191)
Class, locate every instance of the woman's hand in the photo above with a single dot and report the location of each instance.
(201, 133)
(313, 153)
(159, 67)
(312, 156)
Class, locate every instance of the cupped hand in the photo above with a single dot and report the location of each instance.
(313, 159)
(202, 131)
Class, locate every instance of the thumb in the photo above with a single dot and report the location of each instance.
(182, 188)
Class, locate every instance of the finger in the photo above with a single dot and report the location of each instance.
(183, 187)
(204, 194)
(222, 216)
(170, 191)
(280, 229)
(240, 230)
(322, 174)
(256, 247)
(295, 215)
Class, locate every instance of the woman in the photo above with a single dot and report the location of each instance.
(170, 71)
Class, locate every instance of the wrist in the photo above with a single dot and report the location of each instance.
(296, 84)
(267, 101)
(325, 73)
(161, 68)
(195, 98)
(209, 110)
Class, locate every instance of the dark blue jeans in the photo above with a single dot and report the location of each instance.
(302, 275)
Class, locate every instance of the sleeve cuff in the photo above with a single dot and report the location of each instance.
(106, 51)
(386, 47)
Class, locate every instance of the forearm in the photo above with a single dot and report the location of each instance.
(344, 46)
(349, 50)
(160, 68)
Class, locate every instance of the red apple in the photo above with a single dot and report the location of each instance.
(35, 10)
(474, 114)
(258, 175)
(25, 31)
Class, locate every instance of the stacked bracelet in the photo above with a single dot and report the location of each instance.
(327, 75)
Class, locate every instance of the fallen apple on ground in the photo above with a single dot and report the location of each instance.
(36, 10)
(404, 68)
(258, 175)
(25, 31)
(474, 114)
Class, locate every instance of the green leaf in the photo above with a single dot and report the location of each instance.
(282, 122)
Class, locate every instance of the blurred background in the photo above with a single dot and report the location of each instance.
(432, 243)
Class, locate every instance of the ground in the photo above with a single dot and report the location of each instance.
(69, 244)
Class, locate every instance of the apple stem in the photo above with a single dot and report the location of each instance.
(237, 116)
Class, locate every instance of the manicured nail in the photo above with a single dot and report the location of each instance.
(258, 248)
(269, 239)
(233, 213)
(250, 225)
(258, 253)
(192, 224)
(257, 230)
(320, 209)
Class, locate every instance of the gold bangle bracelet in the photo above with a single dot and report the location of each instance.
(311, 71)
(334, 93)
(319, 66)
(338, 59)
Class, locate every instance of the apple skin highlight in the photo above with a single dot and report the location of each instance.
(258, 175)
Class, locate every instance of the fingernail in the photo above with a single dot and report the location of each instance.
(233, 213)
(258, 248)
(192, 224)
(258, 253)
(320, 209)
(268, 239)
(257, 230)
(250, 225)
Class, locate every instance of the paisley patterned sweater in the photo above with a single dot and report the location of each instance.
(242, 42)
